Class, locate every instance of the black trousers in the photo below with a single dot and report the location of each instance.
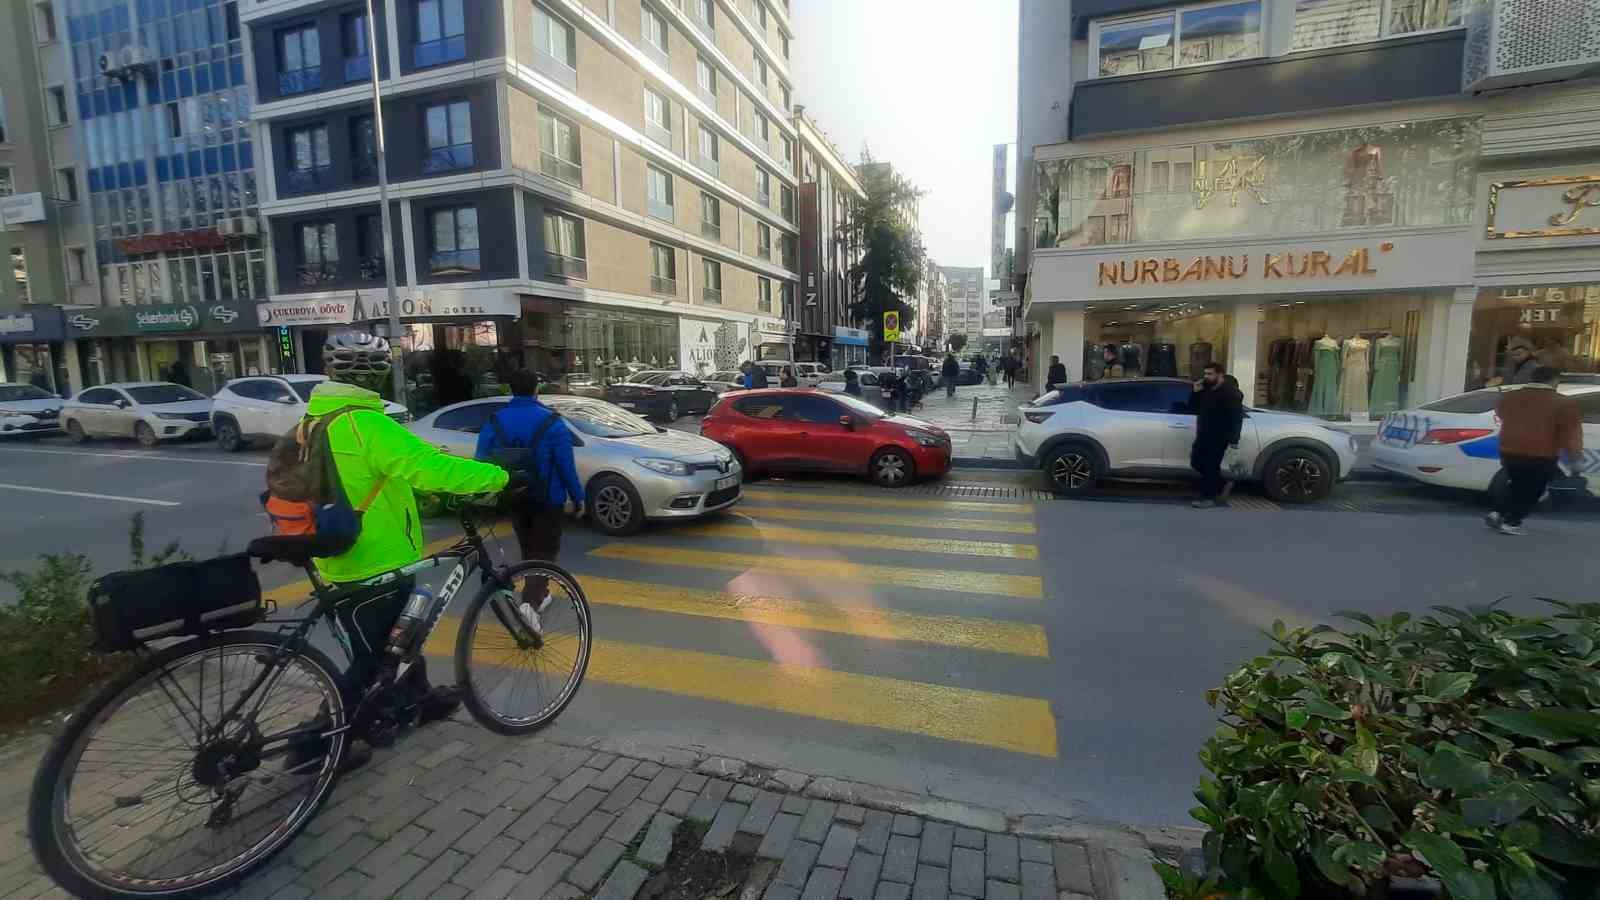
(1206, 458)
(538, 529)
(366, 619)
(1526, 480)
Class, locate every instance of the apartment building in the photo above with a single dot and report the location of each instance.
(586, 187)
(931, 316)
(1386, 193)
(43, 206)
(967, 295)
(830, 197)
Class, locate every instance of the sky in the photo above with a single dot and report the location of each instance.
(928, 85)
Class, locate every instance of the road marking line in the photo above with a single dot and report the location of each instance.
(752, 530)
(88, 496)
(815, 498)
(135, 456)
(1027, 587)
(870, 622)
(1018, 724)
(766, 508)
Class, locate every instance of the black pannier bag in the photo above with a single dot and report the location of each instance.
(182, 598)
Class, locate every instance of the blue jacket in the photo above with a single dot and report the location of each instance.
(553, 456)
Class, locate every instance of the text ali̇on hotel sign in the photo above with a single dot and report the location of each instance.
(1314, 264)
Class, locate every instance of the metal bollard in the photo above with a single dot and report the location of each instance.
(974, 409)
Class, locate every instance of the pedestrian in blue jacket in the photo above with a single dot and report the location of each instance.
(537, 522)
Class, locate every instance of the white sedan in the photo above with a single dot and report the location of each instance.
(1455, 442)
(266, 407)
(25, 409)
(152, 411)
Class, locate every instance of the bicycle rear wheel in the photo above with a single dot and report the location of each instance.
(510, 683)
(149, 792)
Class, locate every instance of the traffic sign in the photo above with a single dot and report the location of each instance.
(891, 327)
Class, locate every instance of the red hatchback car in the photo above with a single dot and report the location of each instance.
(800, 429)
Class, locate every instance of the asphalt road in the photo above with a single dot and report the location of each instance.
(1036, 656)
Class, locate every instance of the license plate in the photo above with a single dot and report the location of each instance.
(726, 482)
(627, 405)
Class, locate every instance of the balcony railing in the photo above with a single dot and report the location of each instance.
(556, 70)
(659, 134)
(298, 81)
(439, 52)
(711, 295)
(660, 285)
(304, 181)
(559, 169)
(565, 266)
(453, 262)
(709, 166)
(357, 68)
(446, 159)
(315, 273)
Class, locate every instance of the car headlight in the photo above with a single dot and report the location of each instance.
(923, 439)
(665, 466)
(11, 412)
(172, 416)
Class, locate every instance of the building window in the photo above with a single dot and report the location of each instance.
(764, 187)
(788, 153)
(786, 202)
(760, 129)
(560, 155)
(44, 22)
(761, 71)
(663, 269)
(5, 136)
(55, 107)
(563, 246)
(658, 190)
(299, 60)
(764, 240)
(554, 38)
(8, 181)
(705, 78)
(67, 185)
(1330, 23)
(787, 244)
(310, 162)
(710, 217)
(761, 18)
(174, 121)
(357, 55)
(657, 117)
(363, 148)
(318, 252)
(711, 281)
(786, 300)
(709, 152)
(19, 273)
(706, 10)
(655, 31)
(453, 238)
(764, 295)
(783, 40)
(1216, 32)
(783, 91)
(77, 265)
(449, 128)
(369, 247)
(441, 33)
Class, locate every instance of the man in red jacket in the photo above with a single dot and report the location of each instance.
(1536, 425)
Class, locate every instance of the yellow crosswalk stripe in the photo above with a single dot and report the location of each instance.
(815, 498)
(768, 508)
(1019, 724)
(752, 530)
(1027, 587)
(870, 622)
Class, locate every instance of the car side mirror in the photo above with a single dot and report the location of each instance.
(286, 400)
(660, 430)
(848, 422)
(123, 404)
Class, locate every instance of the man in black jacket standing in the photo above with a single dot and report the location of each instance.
(1219, 416)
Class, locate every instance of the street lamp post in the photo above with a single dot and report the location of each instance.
(395, 366)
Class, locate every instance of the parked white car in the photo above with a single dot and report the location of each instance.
(1455, 442)
(26, 409)
(632, 471)
(151, 411)
(266, 407)
(1142, 427)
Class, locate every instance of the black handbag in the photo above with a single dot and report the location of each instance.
(183, 598)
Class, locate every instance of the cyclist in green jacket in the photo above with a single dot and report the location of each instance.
(377, 457)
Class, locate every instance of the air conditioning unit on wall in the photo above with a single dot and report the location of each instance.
(1518, 42)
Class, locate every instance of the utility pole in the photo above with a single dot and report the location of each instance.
(396, 368)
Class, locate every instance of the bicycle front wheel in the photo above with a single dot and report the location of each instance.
(522, 650)
(157, 789)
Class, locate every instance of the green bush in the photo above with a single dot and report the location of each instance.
(1465, 746)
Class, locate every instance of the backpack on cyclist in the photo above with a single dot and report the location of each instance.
(513, 457)
(305, 495)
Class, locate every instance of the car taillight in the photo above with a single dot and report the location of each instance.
(1038, 416)
(1454, 435)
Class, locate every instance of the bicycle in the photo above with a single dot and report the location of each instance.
(144, 795)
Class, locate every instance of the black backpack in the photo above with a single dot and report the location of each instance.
(513, 457)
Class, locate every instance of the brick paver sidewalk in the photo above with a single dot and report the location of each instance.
(455, 811)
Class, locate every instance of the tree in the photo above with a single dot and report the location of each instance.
(958, 342)
(891, 265)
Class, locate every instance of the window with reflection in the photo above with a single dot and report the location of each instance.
(1187, 36)
(1331, 23)
(453, 235)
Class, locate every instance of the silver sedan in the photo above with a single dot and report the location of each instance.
(631, 470)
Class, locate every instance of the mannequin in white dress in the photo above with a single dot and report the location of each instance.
(1353, 381)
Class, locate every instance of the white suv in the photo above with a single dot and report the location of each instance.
(265, 407)
(1143, 428)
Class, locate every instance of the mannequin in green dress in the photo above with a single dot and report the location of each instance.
(1325, 397)
(1385, 397)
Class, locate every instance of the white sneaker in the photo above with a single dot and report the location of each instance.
(530, 615)
(1511, 529)
(1492, 520)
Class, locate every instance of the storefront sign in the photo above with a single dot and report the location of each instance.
(19, 209)
(286, 347)
(477, 305)
(12, 323)
(308, 312)
(808, 243)
(166, 318)
(1309, 264)
(775, 331)
(41, 323)
(205, 239)
(1544, 207)
(707, 345)
(854, 337)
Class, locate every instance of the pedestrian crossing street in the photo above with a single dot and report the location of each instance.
(845, 603)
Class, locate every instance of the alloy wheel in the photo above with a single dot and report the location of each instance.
(891, 469)
(1299, 478)
(613, 507)
(1071, 471)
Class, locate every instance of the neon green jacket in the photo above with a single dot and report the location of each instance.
(369, 447)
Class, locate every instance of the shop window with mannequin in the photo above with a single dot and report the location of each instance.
(1339, 358)
(1156, 340)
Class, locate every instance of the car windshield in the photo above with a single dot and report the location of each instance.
(604, 420)
(157, 394)
(304, 388)
(14, 392)
(859, 408)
